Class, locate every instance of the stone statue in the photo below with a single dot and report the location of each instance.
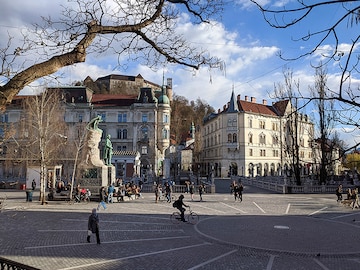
(92, 143)
(94, 123)
(108, 150)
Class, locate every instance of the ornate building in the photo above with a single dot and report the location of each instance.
(251, 139)
(137, 120)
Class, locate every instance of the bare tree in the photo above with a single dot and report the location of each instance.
(291, 138)
(141, 30)
(45, 129)
(327, 116)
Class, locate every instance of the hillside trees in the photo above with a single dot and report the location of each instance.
(183, 114)
(140, 30)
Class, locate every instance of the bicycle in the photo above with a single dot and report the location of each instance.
(190, 217)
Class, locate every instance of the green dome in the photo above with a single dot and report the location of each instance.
(163, 99)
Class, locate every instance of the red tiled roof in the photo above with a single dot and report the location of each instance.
(247, 106)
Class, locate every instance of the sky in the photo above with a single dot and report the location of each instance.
(248, 46)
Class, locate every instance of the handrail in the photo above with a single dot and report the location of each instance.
(9, 264)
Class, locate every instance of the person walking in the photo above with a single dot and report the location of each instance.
(191, 190)
(157, 192)
(241, 188)
(33, 184)
(339, 193)
(93, 226)
(103, 198)
(201, 191)
(168, 191)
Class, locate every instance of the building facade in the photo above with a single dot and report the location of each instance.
(250, 139)
(138, 124)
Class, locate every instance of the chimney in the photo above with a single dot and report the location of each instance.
(253, 100)
(224, 108)
(169, 82)
(246, 98)
(264, 102)
(219, 111)
(238, 97)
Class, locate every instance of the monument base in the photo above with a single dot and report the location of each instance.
(93, 178)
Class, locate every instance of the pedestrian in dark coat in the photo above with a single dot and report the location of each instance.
(93, 226)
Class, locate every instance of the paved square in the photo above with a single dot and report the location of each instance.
(265, 231)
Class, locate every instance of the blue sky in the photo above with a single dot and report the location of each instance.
(246, 43)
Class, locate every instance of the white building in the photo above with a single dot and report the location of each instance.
(251, 139)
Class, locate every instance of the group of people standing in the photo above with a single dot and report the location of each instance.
(236, 189)
(352, 196)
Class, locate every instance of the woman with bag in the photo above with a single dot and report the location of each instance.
(93, 226)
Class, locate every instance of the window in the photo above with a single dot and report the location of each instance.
(275, 153)
(250, 152)
(166, 118)
(4, 118)
(144, 150)
(250, 138)
(144, 117)
(262, 153)
(122, 134)
(80, 118)
(124, 148)
(262, 138)
(165, 133)
(103, 117)
(144, 132)
(229, 138)
(275, 139)
(262, 124)
(250, 123)
(275, 126)
(122, 117)
(234, 138)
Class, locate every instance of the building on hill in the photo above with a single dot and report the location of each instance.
(138, 123)
(250, 139)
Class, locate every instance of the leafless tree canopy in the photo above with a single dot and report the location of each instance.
(340, 31)
(141, 30)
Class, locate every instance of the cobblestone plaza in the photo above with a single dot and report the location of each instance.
(265, 231)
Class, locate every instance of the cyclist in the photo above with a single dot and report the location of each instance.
(179, 205)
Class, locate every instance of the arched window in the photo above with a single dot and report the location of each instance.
(234, 138)
(250, 138)
(119, 131)
(229, 138)
(124, 133)
(262, 138)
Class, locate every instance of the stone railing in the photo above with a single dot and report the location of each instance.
(175, 188)
(8, 264)
(280, 185)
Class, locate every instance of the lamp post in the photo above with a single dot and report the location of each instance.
(212, 179)
(198, 174)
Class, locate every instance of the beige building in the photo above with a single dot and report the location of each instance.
(254, 139)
